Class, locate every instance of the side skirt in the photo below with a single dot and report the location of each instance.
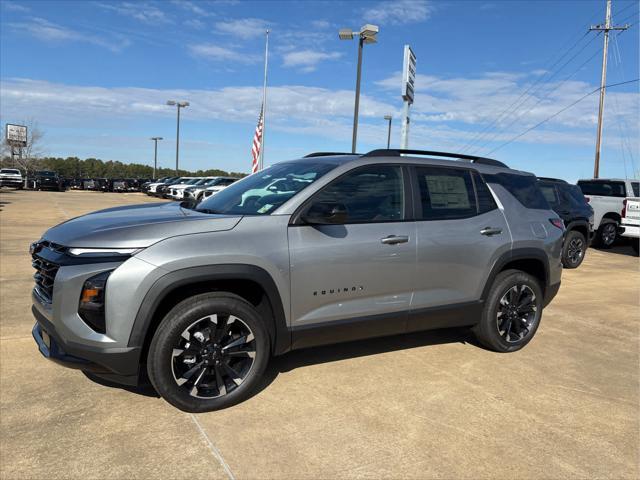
(327, 333)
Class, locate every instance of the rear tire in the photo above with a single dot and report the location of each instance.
(606, 234)
(209, 352)
(511, 313)
(574, 249)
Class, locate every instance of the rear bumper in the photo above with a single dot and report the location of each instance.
(631, 231)
(119, 365)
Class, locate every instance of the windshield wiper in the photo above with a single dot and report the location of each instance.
(207, 210)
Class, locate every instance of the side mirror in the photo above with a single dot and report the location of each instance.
(326, 213)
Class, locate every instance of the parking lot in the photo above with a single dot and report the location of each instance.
(432, 404)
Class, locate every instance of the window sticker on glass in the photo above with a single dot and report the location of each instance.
(447, 192)
(265, 208)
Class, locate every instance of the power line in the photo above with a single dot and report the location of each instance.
(490, 135)
(540, 100)
(481, 133)
(559, 112)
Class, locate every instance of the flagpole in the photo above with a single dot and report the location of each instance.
(264, 101)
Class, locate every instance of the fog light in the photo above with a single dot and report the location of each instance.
(91, 306)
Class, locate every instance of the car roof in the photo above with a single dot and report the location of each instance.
(608, 180)
(408, 158)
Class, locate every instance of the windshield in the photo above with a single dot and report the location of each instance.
(10, 171)
(263, 192)
(46, 174)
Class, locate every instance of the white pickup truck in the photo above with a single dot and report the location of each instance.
(606, 197)
(11, 177)
(631, 221)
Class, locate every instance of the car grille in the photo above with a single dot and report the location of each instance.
(45, 276)
(46, 271)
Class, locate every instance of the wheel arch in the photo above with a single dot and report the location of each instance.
(529, 260)
(250, 282)
(581, 226)
(611, 216)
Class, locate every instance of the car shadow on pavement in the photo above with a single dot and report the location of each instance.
(621, 247)
(326, 354)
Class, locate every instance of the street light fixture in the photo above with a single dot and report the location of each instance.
(155, 154)
(366, 35)
(178, 105)
(388, 118)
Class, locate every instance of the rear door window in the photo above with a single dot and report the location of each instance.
(636, 188)
(445, 193)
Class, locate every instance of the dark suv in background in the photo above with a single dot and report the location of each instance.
(569, 203)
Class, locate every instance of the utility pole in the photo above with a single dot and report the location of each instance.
(606, 28)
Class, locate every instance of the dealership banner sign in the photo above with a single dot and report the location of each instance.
(16, 135)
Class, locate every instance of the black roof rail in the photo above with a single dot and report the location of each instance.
(328, 154)
(399, 152)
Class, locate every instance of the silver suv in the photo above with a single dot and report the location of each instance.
(327, 248)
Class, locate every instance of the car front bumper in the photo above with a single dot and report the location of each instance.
(11, 182)
(120, 365)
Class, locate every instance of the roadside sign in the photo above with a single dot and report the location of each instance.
(16, 135)
(408, 74)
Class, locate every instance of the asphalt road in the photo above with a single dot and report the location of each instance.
(431, 405)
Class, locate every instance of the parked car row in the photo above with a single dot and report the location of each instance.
(194, 189)
(117, 185)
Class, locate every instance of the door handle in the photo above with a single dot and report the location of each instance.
(394, 239)
(489, 231)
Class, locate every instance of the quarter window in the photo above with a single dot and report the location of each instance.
(369, 194)
(445, 193)
(486, 203)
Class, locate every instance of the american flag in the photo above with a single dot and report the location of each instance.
(257, 143)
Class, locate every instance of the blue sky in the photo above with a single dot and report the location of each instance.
(94, 76)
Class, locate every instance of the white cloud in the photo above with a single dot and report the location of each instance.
(194, 23)
(43, 29)
(244, 28)
(307, 60)
(217, 53)
(141, 11)
(15, 7)
(193, 7)
(399, 12)
(447, 113)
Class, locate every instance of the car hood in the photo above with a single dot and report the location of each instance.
(136, 226)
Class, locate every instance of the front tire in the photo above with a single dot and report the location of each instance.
(574, 250)
(511, 313)
(208, 353)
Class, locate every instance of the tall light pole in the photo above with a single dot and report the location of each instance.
(179, 105)
(367, 34)
(388, 118)
(155, 154)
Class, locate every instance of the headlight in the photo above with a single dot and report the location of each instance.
(91, 306)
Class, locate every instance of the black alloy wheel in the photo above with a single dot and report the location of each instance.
(516, 313)
(608, 233)
(213, 356)
(574, 249)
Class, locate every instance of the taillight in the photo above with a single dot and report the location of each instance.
(557, 222)
(624, 208)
